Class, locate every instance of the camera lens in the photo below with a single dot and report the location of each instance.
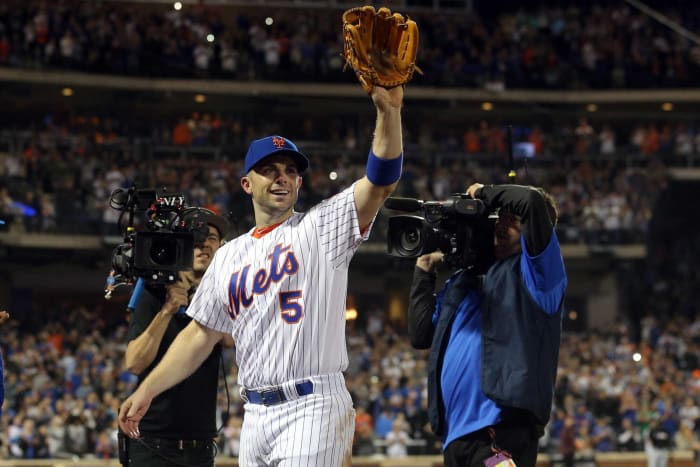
(409, 240)
(163, 251)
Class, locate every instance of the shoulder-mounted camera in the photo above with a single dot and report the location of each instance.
(460, 227)
(166, 244)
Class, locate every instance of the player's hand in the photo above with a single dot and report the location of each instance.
(471, 191)
(387, 99)
(4, 316)
(431, 261)
(131, 412)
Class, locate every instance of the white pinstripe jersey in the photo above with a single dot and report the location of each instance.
(282, 296)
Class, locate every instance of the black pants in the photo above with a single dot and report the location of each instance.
(473, 449)
(149, 452)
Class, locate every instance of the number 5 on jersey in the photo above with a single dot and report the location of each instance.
(290, 308)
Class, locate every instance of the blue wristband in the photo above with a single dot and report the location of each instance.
(384, 172)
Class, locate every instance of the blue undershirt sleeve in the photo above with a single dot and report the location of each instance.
(544, 275)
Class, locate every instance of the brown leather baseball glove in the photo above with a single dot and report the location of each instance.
(380, 46)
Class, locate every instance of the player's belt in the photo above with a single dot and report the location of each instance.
(276, 395)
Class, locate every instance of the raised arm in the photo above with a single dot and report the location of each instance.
(383, 165)
(526, 202)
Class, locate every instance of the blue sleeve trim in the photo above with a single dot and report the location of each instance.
(383, 172)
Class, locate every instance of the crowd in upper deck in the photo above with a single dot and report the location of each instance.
(578, 46)
(59, 173)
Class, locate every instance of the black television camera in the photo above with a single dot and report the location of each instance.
(165, 247)
(460, 227)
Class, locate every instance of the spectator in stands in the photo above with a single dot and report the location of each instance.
(182, 134)
(56, 438)
(104, 448)
(603, 436)
(397, 439)
(583, 441)
(567, 445)
(31, 441)
(658, 444)
(629, 438)
(363, 443)
(687, 440)
(384, 422)
(77, 435)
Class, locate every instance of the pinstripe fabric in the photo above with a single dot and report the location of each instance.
(309, 431)
(282, 298)
(317, 247)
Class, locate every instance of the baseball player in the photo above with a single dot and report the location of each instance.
(280, 291)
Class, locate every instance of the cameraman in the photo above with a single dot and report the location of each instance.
(494, 339)
(180, 427)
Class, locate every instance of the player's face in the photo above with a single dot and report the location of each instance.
(204, 252)
(274, 186)
(507, 231)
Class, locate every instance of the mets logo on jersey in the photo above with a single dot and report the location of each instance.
(278, 142)
(282, 263)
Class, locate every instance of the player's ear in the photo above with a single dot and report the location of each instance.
(245, 184)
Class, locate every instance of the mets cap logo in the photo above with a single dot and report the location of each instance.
(278, 142)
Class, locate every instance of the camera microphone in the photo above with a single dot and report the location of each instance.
(403, 204)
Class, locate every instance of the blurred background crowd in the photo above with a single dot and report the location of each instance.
(618, 177)
(558, 45)
(65, 380)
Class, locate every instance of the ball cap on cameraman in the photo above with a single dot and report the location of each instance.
(194, 215)
(270, 145)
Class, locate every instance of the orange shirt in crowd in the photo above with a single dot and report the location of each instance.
(652, 141)
(471, 141)
(536, 139)
(182, 136)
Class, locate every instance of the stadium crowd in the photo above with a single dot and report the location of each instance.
(582, 45)
(58, 177)
(65, 378)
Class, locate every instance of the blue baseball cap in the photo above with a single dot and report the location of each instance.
(269, 145)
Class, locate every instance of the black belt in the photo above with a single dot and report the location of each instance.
(175, 443)
(274, 396)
